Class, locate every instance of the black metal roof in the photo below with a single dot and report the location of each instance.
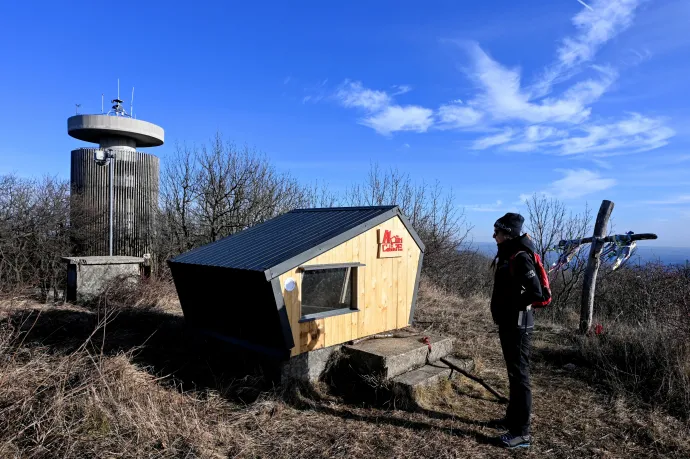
(283, 242)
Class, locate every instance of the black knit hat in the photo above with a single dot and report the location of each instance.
(510, 224)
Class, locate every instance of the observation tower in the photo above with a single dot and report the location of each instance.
(114, 186)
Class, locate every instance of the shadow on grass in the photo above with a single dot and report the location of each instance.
(305, 398)
(354, 392)
(156, 341)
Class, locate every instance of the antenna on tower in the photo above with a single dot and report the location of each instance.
(76, 108)
(101, 103)
(131, 105)
(118, 109)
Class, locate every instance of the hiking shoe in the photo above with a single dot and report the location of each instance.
(511, 441)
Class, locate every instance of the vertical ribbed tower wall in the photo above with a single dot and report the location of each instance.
(135, 193)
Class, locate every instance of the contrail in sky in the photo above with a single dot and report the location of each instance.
(585, 5)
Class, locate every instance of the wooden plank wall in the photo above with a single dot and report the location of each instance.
(384, 292)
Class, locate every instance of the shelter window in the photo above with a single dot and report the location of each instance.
(328, 290)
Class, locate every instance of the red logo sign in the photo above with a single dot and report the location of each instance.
(390, 244)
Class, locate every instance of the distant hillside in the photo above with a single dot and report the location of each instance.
(643, 254)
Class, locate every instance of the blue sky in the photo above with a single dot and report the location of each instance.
(496, 99)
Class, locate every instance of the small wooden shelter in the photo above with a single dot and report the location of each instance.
(305, 280)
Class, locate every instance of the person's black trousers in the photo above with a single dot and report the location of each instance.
(516, 343)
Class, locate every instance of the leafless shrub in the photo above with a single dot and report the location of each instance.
(34, 234)
(637, 294)
(216, 190)
(548, 222)
(432, 212)
(650, 360)
(125, 292)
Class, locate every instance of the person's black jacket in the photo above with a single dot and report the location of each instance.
(516, 283)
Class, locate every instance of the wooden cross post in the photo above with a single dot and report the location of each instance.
(598, 240)
(590, 280)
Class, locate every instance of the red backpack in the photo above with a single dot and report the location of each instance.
(543, 279)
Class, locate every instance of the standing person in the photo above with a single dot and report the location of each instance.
(516, 287)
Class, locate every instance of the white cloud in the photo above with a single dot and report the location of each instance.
(633, 134)
(575, 183)
(454, 116)
(522, 147)
(383, 115)
(676, 200)
(353, 94)
(562, 123)
(637, 57)
(672, 159)
(401, 89)
(533, 136)
(315, 93)
(495, 207)
(579, 182)
(396, 118)
(597, 24)
(503, 97)
(535, 117)
(287, 79)
(602, 164)
(537, 133)
(523, 198)
(493, 140)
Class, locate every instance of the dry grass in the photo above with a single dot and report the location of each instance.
(153, 293)
(651, 361)
(142, 389)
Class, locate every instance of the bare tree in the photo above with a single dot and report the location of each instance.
(549, 222)
(547, 219)
(318, 195)
(34, 233)
(432, 212)
(219, 189)
(567, 283)
(178, 191)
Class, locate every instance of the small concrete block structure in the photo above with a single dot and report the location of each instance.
(390, 357)
(87, 277)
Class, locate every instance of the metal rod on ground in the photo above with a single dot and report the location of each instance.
(590, 280)
(496, 393)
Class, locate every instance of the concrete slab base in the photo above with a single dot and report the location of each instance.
(376, 368)
(408, 386)
(390, 357)
(307, 367)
